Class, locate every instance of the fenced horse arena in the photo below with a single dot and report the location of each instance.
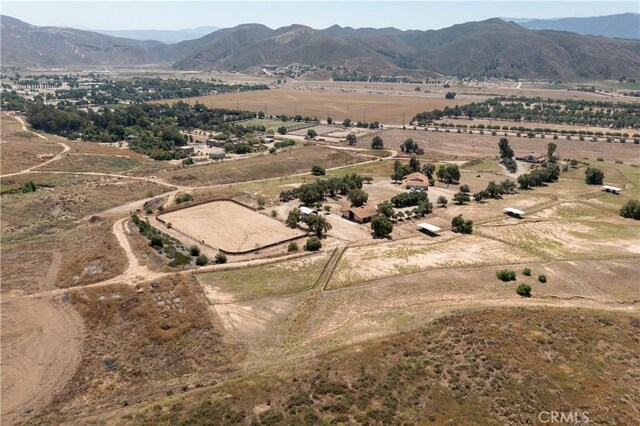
(230, 227)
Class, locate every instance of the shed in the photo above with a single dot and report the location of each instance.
(307, 211)
(514, 212)
(429, 228)
(613, 189)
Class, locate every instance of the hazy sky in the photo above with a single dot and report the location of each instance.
(115, 15)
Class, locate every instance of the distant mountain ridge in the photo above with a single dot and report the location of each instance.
(625, 25)
(486, 48)
(164, 36)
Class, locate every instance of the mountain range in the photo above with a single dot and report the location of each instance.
(624, 25)
(165, 36)
(486, 48)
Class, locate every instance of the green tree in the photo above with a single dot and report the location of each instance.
(194, 251)
(442, 201)
(414, 164)
(428, 169)
(386, 209)
(461, 198)
(551, 149)
(542, 278)
(293, 246)
(377, 143)
(526, 272)
(458, 224)
(351, 139)
(464, 188)
(505, 149)
(317, 224)
(311, 134)
(282, 130)
(594, 176)
(381, 226)
(293, 218)
(202, 260)
(329, 120)
(220, 258)
(347, 122)
(357, 197)
(631, 210)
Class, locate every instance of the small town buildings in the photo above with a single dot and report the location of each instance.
(217, 155)
(532, 158)
(417, 181)
(428, 228)
(612, 189)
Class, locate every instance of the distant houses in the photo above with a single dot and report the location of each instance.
(416, 181)
(532, 158)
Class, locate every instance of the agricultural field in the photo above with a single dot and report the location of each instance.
(337, 105)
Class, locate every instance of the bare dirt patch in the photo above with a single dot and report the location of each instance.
(339, 105)
(230, 227)
(41, 341)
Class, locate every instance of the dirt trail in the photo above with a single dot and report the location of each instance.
(41, 340)
(58, 156)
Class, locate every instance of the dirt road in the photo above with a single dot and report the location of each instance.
(41, 340)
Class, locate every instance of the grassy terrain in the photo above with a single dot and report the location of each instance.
(137, 340)
(486, 164)
(483, 367)
(94, 163)
(284, 163)
(268, 280)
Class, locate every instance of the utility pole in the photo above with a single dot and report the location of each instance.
(403, 120)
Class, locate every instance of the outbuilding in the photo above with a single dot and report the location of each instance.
(514, 212)
(612, 189)
(360, 214)
(428, 228)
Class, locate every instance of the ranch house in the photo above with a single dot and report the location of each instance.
(417, 181)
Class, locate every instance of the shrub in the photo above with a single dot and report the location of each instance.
(313, 244)
(188, 161)
(318, 171)
(293, 246)
(524, 290)
(194, 251)
(220, 258)
(542, 278)
(526, 272)
(506, 275)
(202, 260)
(156, 241)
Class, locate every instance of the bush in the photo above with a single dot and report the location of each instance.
(156, 241)
(220, 258)
(313, 244)
(188, 161)
(542, 278)
(318, 171)
(631, 210)
(293, 246)
(526, 272)
(194, 251)
(506, 275)
(524, 290)
(202, 260)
